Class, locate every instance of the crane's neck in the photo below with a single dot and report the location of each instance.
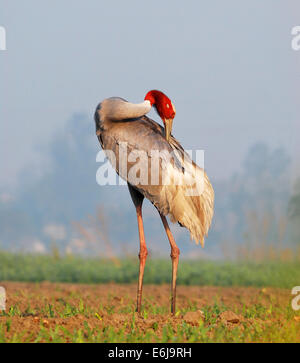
(117, 109)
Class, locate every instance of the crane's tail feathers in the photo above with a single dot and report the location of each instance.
(193, 211)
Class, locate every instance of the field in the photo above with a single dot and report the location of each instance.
(94, 301)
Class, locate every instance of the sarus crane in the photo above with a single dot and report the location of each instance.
(119, 123)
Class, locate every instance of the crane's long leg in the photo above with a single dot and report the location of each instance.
(142, 256)
(138, 199)
(175, 252)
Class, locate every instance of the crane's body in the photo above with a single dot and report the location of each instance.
(123, 128)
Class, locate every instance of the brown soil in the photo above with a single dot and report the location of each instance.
(106, 304)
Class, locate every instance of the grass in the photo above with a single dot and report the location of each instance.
(260, 324)
(36, 268)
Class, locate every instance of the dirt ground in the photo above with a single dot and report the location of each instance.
(30, 306)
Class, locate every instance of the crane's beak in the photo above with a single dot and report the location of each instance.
(168, 128)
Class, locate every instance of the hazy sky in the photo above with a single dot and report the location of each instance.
(228, 67)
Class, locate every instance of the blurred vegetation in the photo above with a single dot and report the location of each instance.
(295, 206)
(294, 213)
(294, 203)
(284, 273)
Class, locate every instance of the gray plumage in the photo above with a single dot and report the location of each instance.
(120, 123)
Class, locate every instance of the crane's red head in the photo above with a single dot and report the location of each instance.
(164, 108)
(162, 103)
